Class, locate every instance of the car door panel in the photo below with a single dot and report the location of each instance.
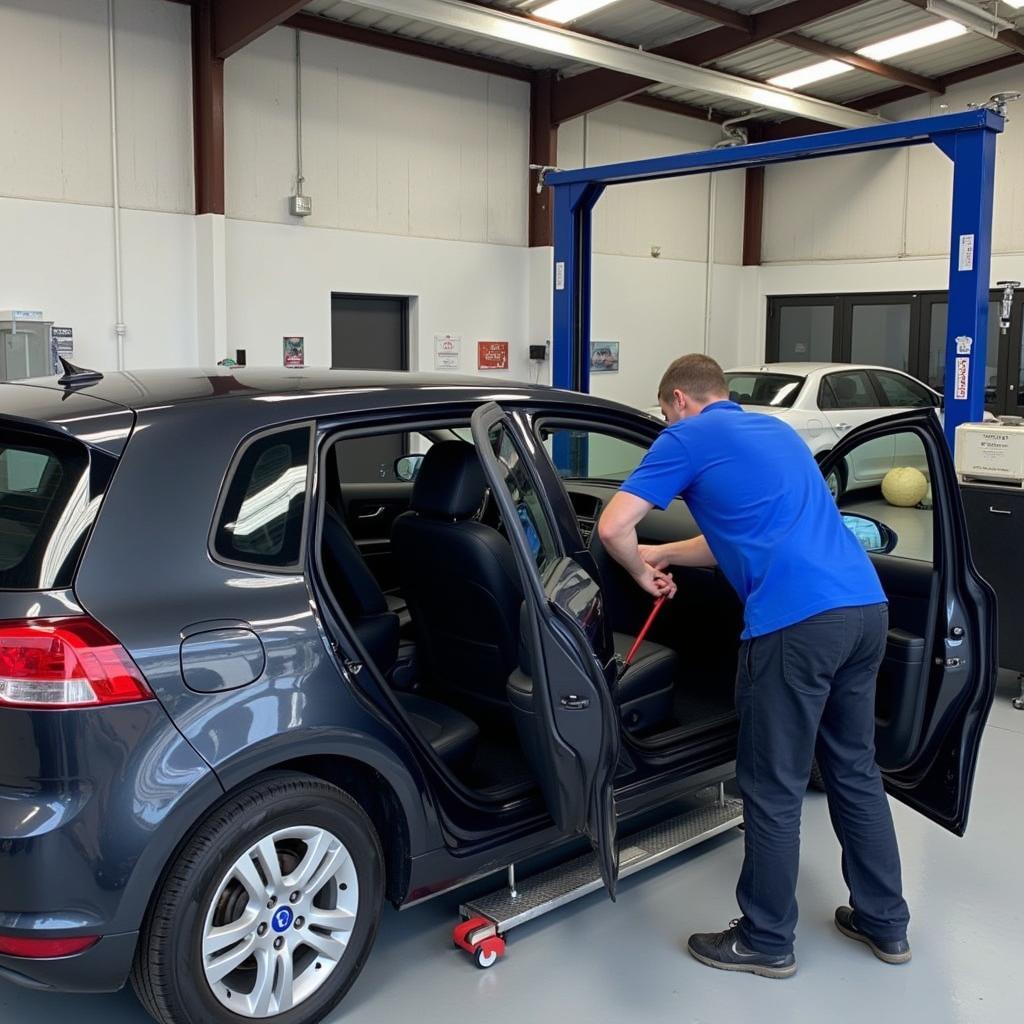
(369, 510)
(930, 733)
(561, 696)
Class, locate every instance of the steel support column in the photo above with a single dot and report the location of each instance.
(208, 112)
(570, 338)
(974, 162)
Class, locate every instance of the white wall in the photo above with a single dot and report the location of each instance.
(280, 281)
(391, 143)
(655, 306)
(56, 185)
(893, 205)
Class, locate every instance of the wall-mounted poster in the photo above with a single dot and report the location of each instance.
(604, 357)
(447, 349)
(62, 342)
(492, 355)
(294, 351)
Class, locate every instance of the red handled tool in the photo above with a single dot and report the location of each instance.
(643, 632)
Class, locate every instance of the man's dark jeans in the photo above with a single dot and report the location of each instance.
(810, 689)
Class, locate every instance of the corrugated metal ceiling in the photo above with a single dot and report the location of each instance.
(648, 24)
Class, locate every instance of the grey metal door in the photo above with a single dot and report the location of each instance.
(370, 332)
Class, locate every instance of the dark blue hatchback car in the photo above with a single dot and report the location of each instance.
(277, 646)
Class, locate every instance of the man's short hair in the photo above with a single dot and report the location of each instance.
(696, 375)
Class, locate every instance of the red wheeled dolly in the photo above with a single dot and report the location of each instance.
(480, 939)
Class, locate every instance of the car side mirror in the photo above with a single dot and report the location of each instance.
(875, 538)
(407, 467)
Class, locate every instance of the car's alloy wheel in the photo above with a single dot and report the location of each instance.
(268, 912)
(279, 921)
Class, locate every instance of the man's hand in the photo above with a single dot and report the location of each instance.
(656, 582)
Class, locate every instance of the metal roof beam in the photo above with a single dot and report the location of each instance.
(712, 12)
(595, 89)
(516, 31)
(238, 22)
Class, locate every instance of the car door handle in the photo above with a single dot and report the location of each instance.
(371, 515)
(574, 703)
(844, 426)
(999, 511)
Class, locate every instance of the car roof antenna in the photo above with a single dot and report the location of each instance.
(76, 376)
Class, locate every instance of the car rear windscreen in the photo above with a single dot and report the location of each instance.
(50, 491)
(778, 390)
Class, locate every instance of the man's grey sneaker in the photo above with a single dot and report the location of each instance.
(728, 952)
(893, 952)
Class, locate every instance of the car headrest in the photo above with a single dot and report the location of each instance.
(450, 483)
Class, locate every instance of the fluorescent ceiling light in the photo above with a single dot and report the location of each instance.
(883, 50)
(910, 41)
(811, 73)
(1015, 4)
(562, 11)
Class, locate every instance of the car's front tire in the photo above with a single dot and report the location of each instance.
(268, 913)
(836, 479)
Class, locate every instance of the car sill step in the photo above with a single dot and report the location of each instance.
(497, 912)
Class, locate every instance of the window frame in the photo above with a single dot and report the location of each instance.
(872, 387)
(292, 568)
(910, 382)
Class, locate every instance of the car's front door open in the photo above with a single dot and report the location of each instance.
(560, 696)
(937, 681)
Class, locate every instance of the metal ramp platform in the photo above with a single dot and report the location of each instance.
(487, 918)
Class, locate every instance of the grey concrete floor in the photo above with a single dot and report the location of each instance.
(607, 963)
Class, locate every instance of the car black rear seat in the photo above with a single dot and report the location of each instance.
(451, 734)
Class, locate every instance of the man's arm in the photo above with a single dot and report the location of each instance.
(617, 530)
(693, 553)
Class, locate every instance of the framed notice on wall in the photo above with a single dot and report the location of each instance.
(294, 351)
(492, 355)
(446, 351)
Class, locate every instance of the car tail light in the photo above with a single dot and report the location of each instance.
(41, 949)
(51, 664)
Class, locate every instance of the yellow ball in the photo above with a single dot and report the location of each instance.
(904, 486)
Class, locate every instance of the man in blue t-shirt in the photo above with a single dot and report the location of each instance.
(815, 627)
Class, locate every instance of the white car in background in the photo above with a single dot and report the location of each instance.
(823, 402)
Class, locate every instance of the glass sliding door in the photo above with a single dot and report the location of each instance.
(935, 314)
(879, 331)
(801, 330)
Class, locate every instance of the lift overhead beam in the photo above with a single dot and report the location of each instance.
(508, 28)
(967, 138)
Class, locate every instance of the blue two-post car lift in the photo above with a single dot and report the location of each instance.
(968, 139)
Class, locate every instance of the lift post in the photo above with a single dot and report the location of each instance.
(968, 138)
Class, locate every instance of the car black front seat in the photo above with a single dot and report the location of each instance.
(451, 734)
(460, 579)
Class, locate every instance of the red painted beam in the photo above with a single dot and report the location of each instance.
(411, 47)
(208, 111)
(237, 23)
(712, 12)
(753, 216)
(543, 153)
(675, 107)
(594, 89)
(918, 82)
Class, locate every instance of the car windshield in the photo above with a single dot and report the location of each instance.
(778, 390)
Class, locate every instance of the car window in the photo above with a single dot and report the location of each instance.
(530, 508)
(903, 393)
(263, 508)
(886, 497)
(50, 492)
(849, 389)
(778, 390)
(579, 453)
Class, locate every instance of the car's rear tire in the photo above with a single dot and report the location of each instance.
(223, 897)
